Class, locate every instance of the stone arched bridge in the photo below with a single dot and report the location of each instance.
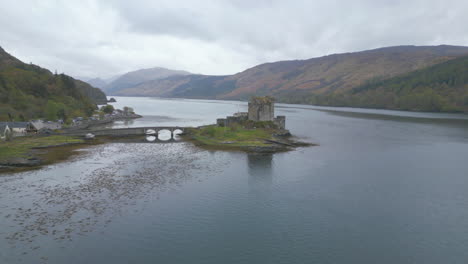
(131, 131)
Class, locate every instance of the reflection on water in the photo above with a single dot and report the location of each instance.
(117, 124)
(260, 167)
(260, 164)
(128, 123)
(164, 136)
(150, 138)
(151, 120)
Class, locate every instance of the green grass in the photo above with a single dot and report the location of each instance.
(231, 136)
(21, 146)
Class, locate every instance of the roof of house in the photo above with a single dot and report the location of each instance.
(37, 124)
(15, 124)
(45, 125)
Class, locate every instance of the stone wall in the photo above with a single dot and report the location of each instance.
(280, 122)
(236, 119)
(221, 122)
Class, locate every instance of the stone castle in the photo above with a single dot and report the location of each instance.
(259, 109)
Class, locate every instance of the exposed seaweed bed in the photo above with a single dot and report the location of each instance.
(34, 152)
(112, 178)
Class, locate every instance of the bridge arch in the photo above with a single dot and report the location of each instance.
(178, 130)
(165, 134)
(176, 133)
(150, 131)
(151, 138)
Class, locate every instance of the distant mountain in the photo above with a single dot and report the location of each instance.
(339, 72)
(29, 91)
(97, 82)
(190, 86)
(135, 78)
(302, 81)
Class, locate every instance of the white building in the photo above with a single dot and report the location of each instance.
(4, 131)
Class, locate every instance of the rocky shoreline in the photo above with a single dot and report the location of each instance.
(271, 149)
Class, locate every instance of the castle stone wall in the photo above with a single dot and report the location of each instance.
(221, 122)
(261, 109)
(280, 122)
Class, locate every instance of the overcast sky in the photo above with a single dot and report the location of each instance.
(94, 38)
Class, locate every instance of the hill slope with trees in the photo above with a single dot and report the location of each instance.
(28, 91)
(439, 88)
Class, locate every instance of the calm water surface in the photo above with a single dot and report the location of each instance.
(382, 187)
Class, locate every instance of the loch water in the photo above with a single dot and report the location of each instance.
(381, 187)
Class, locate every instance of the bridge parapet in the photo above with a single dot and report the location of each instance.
(132, 131)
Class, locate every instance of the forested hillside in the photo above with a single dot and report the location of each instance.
(439, 88)
(28, 91)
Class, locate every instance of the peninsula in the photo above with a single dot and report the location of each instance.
(40, 142)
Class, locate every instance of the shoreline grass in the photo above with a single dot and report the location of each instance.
(22, 147)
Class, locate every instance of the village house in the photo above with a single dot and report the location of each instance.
(39, 125)
(17, 128)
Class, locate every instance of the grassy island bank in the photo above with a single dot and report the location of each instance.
(243, 139)
(28, 151)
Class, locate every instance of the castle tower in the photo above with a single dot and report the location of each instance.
(261, 108)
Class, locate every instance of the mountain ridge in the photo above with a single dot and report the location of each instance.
(292, 80)
(134, 78)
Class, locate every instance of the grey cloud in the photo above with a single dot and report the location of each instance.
(101, 38)
(180, 22)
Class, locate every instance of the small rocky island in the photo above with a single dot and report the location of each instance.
(257, 130)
